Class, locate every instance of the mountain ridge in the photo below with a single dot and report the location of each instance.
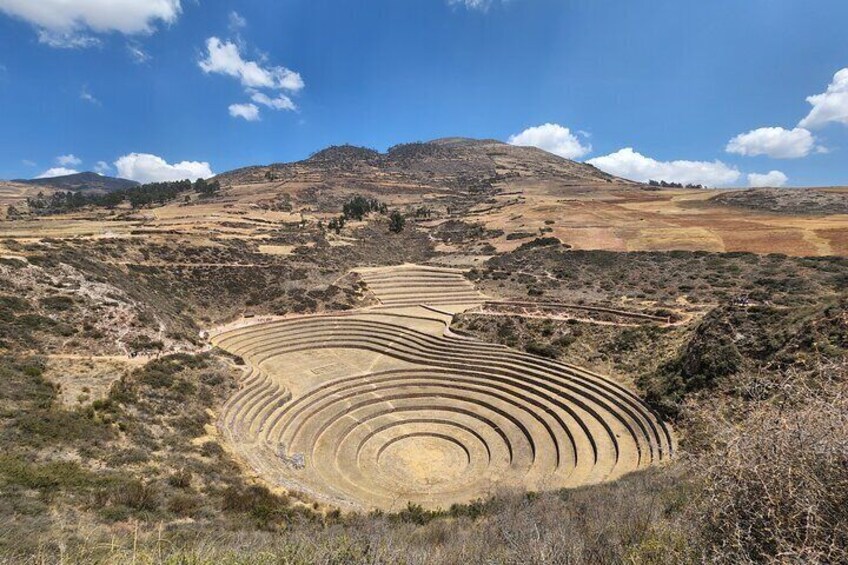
(84, 181)
(448, 156)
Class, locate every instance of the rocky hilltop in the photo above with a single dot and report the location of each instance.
(438, 162)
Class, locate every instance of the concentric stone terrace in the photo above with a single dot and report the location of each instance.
(413, 285)
(387, 406)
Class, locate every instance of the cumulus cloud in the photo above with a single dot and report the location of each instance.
(776, 142)
(57, 172)
(102, 167)
(225, 58)
(69, 160)
(830, 106)
(281, 102)
(249, 112)
(632, 165)
(771, 179)
(70, 24)
(144, 167)
(553, 138)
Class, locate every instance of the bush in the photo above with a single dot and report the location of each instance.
(266, 508)
(776, 479)
(396, 222)
(136, 495)
(180, 479)
(59, 303)
(543, 349)
(538, 242)
(183, 504)
(44, 476)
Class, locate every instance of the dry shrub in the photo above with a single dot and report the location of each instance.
(136, 494)
(180, 479)
(183, 504)
(774, 464)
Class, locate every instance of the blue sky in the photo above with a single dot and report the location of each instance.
(709, 91)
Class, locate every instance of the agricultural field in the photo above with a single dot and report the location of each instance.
(387, 406)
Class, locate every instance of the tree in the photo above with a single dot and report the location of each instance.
(206, 188)
(396, 222)
(336, 224)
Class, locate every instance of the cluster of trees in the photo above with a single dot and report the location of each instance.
(358, 207)
(423, 212)
(337, 224)
(137, 196)
(665, 184)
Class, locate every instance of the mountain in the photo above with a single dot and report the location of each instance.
(87, 181)
(440, 162)
(518, 192)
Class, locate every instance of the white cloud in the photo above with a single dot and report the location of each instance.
(481, 5)
(776, 142)
(56, 172)
(29, 163)
(102, 167)
(66, 39)
(69, 160)
(236, 22)
(249, 112)
(553, 138)
(770, 179)
(281, 102)
(69, 24)
(830, 106)
(225, 58)
(144, 167)
(629, 164)
(88, 96)
(137, 52)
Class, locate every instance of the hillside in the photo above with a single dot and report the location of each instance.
(504, 194)
(87, 181)
(815, 201)
(440, 162)
(441, 353)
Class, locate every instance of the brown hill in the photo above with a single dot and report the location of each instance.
(87, 181)
(476, 197)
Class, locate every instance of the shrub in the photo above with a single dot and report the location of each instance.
(543, 349)
(180, 479)
(266, 508)
(396, 222)
(776, 478)
(538, 242)
(136, 495)
(183, 504)
(58, 302)
(211, 449)
(43, 476)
